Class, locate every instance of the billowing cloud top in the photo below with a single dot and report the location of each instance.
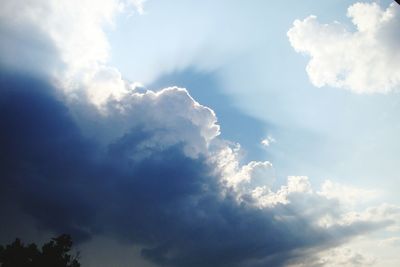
(86, 152)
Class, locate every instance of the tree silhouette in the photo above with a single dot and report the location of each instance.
(55, 253)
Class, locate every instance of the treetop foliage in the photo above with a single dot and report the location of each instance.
(55, 253)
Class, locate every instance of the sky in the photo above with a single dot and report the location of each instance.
(203, 133)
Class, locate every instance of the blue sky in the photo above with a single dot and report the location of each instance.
(241, 121)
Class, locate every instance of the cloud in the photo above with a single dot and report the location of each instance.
(268, 141)
(86, 152)
(171, 114)
(392, 241)
(348, 194)
(75, 32)
(68, 43)
(152, 192)
(364, 60)
(342, 256)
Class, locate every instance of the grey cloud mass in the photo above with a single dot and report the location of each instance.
(174, 205)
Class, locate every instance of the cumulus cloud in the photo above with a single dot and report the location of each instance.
(180, 208)
(104, 157)
(226, 156)
(171, 114)
(363, 60)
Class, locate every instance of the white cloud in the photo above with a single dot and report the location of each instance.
(265, 197)
(347, 194)
(71, 38)
(73, 26)
(227, 157)
(388, 215)
(325, 207)
(268, 141)
(171, 115)
(364, 60)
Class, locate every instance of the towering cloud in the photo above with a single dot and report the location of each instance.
(364, 60)
(160, 186)
(85, 152)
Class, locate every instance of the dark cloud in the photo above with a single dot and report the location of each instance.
(161, 199)
(45, 161)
